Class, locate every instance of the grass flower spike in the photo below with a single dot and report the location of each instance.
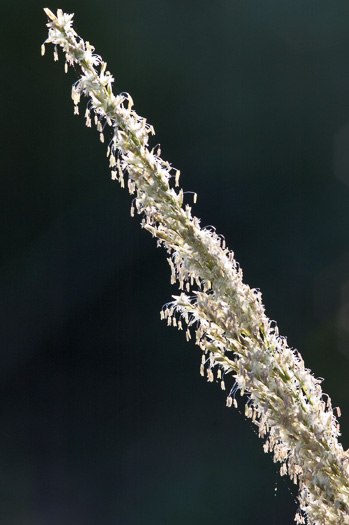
(215, 307)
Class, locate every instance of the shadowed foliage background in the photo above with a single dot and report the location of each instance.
(104, 417)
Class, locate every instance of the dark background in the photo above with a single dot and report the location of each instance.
(104, 416)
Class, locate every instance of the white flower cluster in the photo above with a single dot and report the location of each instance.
(285, 401)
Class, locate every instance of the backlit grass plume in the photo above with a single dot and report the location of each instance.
(225, 316)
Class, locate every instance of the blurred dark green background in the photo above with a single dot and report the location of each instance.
(104, 417)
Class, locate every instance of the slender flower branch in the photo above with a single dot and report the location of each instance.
(285, 401)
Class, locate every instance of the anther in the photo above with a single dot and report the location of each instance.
(210, 376)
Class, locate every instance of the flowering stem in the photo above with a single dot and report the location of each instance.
(285, 401)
